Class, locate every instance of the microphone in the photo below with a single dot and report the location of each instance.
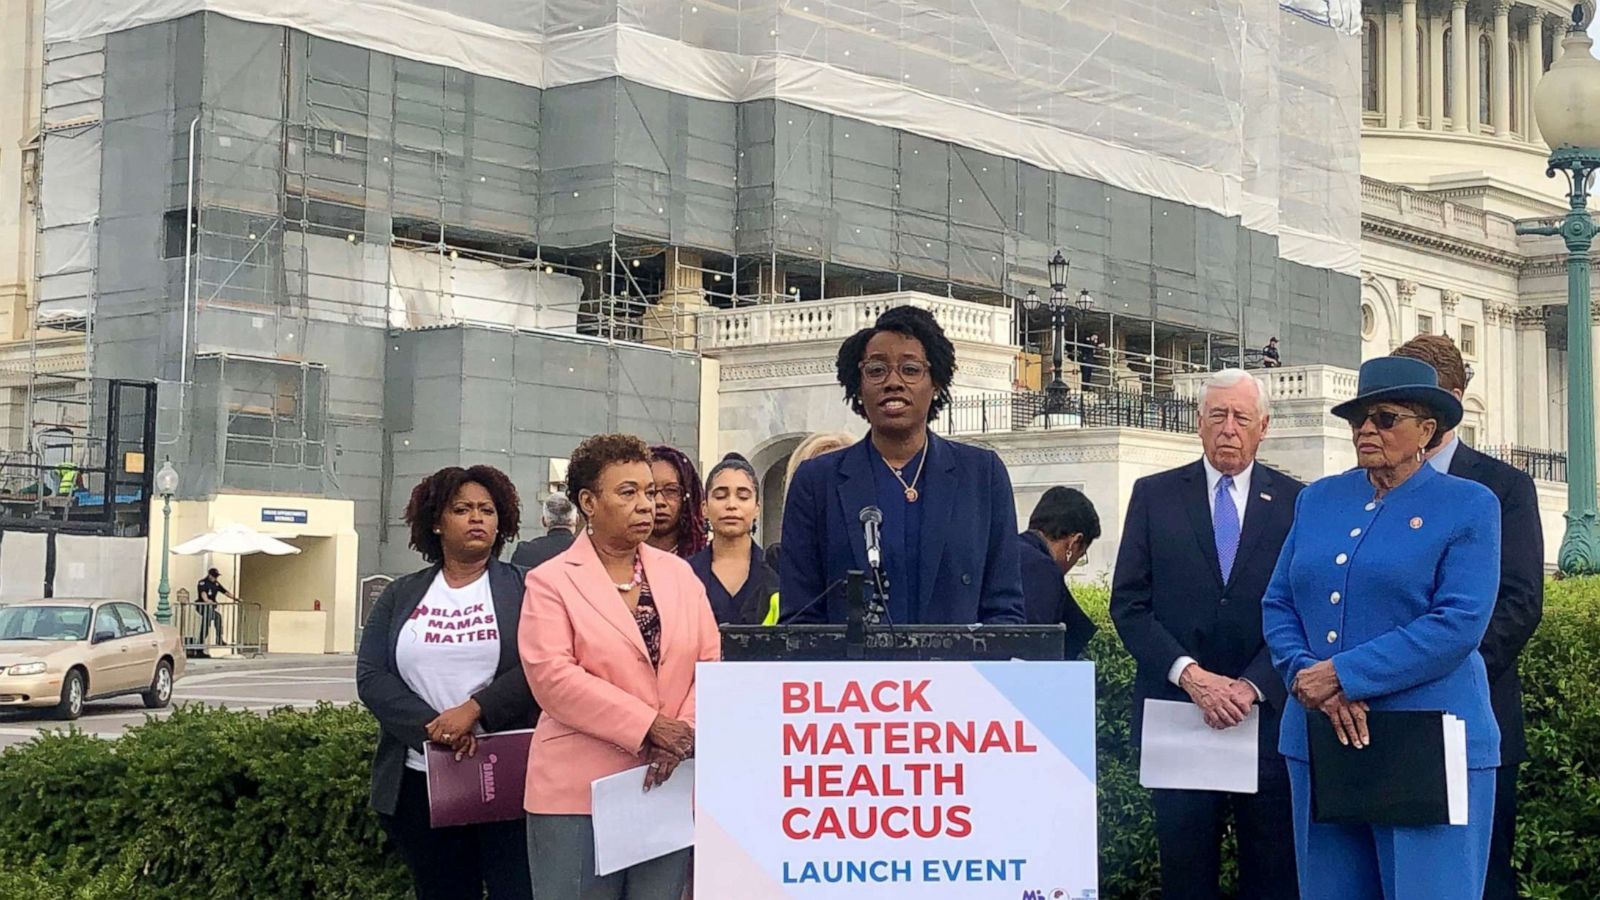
(871, 518)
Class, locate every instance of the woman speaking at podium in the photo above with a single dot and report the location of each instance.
(947, 548)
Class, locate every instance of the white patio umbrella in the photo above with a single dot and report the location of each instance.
(235, 540)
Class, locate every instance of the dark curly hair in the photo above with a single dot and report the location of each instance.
(433, 494)
(593, 454)
(911, 322)
(692, 514)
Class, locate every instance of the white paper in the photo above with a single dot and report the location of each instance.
(1179, 751)
(1455, 767)
(631, 826)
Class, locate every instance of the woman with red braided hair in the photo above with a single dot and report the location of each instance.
(680, 526)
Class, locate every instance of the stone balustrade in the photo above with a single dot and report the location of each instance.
(834, 320)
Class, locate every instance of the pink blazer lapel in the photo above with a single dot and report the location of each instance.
(589, 577)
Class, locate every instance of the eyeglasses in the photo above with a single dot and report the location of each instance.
(671, 493)
(876, 371)
(1383, 418)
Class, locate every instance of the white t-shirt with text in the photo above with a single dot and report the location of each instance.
(449, 648)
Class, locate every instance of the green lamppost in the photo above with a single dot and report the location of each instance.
(166, 486)
(1566, 104)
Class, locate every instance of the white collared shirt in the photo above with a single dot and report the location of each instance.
(1442, 457)
(1240, 492)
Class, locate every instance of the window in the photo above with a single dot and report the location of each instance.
(1468, 435)
(134, 621)
(1422, 72)
(1485, 81)
(1449, 78)
(1369, 321)
(1469, 340)
(1424, 323)
(1369, 66)
(1516, 70)
(172, 242)
(106, 621)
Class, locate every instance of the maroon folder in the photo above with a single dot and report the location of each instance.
(484, 788)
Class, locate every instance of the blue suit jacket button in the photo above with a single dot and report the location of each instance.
(966, 579)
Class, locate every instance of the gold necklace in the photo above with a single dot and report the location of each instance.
(911, 489)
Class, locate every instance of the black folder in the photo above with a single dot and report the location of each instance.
(1397, 779)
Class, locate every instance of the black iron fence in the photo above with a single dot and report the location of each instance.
(1038, 411)
(1541, 465)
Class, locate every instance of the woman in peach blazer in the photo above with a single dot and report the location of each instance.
(611, 632)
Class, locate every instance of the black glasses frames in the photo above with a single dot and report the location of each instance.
(876, 371)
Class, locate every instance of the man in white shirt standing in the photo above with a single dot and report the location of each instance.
(1199, 544)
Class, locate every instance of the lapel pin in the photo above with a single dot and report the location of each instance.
(1416, 522)
(1265, 496)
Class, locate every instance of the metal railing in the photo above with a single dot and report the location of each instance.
(1031, 411)
(234, 626)
(1541, 465)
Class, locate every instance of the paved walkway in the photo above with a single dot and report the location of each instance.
(258, 684)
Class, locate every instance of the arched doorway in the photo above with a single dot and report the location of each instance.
(771, 461)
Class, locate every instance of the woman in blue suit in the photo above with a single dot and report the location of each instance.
(949, 530)
(1380, 598)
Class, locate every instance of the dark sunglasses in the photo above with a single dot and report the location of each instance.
(1383, 418)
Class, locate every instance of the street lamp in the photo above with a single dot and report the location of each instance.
(1566, 105)
(1060, 310)
(166, 486)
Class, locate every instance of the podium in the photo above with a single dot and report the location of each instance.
(865, 636)
(902, 643)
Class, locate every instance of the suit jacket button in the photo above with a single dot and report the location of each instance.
(1333, 636)
(966, 579)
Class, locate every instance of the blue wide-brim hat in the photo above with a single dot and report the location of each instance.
(1400, 379)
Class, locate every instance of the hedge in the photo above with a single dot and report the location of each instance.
(217, 803)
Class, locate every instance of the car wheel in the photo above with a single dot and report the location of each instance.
(73, 691)
(160, 693)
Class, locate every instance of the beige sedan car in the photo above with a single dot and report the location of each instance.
(60, 653)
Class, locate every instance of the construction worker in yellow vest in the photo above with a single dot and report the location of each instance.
(68, 478)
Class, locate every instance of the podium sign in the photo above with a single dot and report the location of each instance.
(958, 780)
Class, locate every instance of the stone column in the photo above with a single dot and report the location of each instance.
(1408, 63)
(1533, 383)
(1393, 89)
(671, 321)
(1558, 26)
(1500, 102)
(1458, 66)
(1448, 302)
(1535, 59)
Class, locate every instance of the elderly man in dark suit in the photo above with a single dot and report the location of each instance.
(1517, 608)
(1199, 544)
(559, 519)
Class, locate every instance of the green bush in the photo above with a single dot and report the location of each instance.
(209, 803)
(1558, 838)
(216, 803)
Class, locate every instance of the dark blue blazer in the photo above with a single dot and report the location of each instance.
(1520, 603)
(1048, 601)
(1168, 599)
(967, 550)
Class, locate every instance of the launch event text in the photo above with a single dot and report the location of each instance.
(823, 780)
